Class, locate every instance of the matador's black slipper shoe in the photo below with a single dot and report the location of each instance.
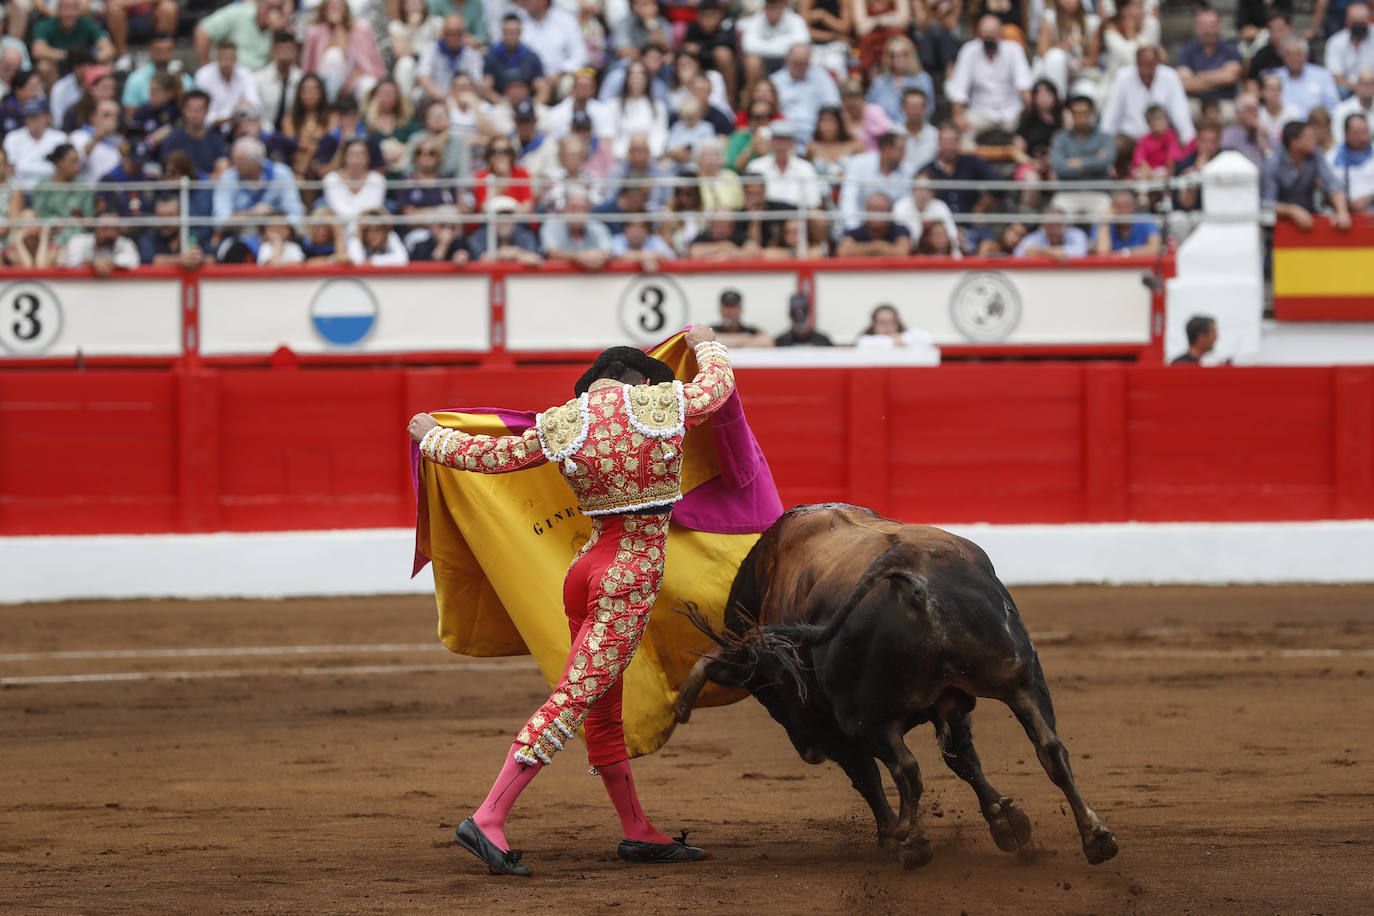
(471, 838)
(676, 851)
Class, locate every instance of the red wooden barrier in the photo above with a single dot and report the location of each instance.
(295, 448)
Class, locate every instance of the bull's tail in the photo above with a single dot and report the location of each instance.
(893, 563)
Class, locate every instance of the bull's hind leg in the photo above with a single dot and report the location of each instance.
(862, 771)
(1010, 827)
(915, 848)
(1032, 707)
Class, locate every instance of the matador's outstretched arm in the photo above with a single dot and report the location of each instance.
(484, 454)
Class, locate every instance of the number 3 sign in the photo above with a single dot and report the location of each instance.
(30, 318)
(652, 306)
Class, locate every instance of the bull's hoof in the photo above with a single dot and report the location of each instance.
(1100, 846)
(1010, 827)
(915, 852)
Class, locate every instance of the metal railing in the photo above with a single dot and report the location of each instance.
(601, 187)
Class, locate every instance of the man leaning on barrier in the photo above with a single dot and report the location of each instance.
(1294, 175)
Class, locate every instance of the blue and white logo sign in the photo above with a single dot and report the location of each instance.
(343, 311)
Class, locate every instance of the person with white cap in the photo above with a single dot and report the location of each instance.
(28, 148)
(787, 178)
(514, 241)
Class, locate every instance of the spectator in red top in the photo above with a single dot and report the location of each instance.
(1157, 151)
(503, 177)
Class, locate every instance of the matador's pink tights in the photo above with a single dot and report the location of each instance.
(620, 786)
(491, 816)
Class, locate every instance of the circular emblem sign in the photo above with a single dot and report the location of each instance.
(343, 311)
(30, 318)
(985, 306)
(652, 306)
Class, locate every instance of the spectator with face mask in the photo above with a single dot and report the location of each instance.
(1350, 50)
(991, 83)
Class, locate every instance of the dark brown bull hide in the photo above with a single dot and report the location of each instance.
(852, 629)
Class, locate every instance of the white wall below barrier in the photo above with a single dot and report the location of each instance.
(377, 561)
(999, 306)
(344, 314)
(64, 318)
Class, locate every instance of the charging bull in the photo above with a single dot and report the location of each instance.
(852, 629)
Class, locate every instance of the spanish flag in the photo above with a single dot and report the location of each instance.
(501, 544)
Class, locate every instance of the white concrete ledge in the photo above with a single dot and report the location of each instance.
(376, 561)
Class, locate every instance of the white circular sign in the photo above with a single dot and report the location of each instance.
(30, 318)
(985, 306)
(343, 311)
(652, 306)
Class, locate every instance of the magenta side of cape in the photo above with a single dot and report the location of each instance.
(742, 500)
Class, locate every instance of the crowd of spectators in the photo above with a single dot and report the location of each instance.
(314, 127)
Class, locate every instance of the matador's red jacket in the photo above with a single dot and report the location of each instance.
(619, 448)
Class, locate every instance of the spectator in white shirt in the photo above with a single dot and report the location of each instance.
(558, 124)
(278, 81)
(789, 179)
(446, 57)
(886, 331)
(803, 89)
(227, 84)
(277, 247)
(554, 34)
(98, 142)
(376, 244)
(767, 36)
(922, 141)
(1274, 111)
(636, 111)
(921, 206)
(1137, 88)
(29, 147)
(1362, 102)
(103, 248)
(354, 189)
(1353, 163)
(1350, 50)
(991, 83)
(882, 171)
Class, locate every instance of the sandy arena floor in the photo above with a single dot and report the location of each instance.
(1226, 736)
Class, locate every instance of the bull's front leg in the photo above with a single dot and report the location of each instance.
(891, 749)
(862, 771)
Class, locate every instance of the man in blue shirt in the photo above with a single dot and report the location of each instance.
(804, 89)
(1210, 68)
(952, 165)
(206, 147)
(1294, 175)
(510, 61)
(1305, 85)
(1055, 238)
(1127, 238)
(237, 196)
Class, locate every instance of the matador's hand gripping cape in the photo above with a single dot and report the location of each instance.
(500, 545)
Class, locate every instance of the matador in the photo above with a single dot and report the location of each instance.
(618, 444)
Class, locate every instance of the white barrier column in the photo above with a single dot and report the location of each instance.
(1220, 267)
